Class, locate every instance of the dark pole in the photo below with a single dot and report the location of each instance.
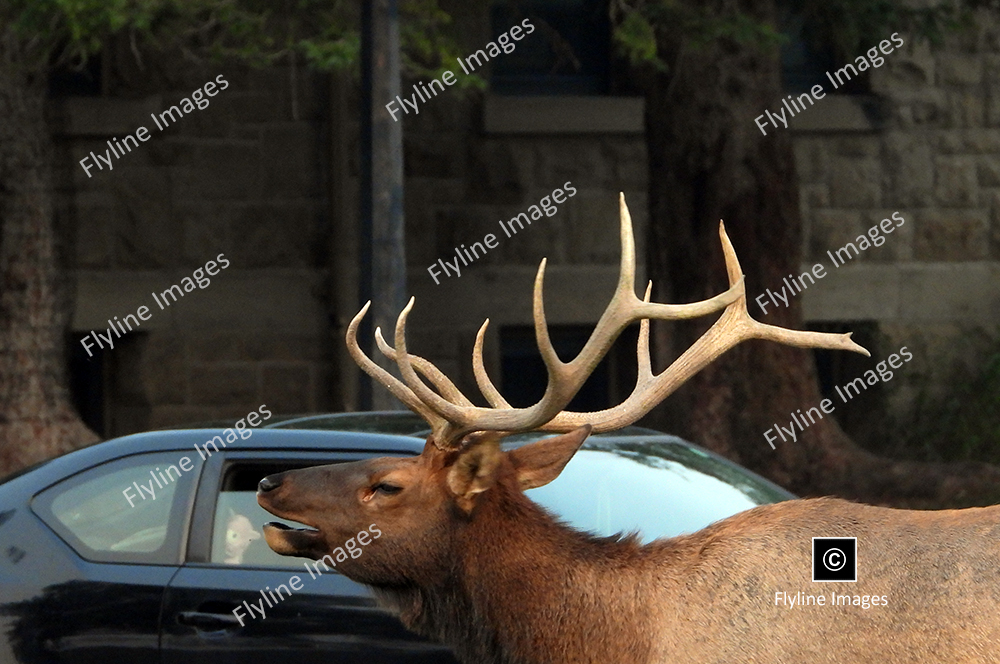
(382, 241)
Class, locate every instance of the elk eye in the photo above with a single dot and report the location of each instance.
(387, 489)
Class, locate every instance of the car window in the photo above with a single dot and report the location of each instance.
(658, 490)
(237, 535)
(127, 510)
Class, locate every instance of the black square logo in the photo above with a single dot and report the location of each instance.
(835, 558)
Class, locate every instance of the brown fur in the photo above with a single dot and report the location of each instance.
(468, 559)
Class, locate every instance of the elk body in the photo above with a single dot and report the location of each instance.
(469, 560)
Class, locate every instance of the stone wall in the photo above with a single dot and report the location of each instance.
(268, 175)
(934, 156)
(245, 177)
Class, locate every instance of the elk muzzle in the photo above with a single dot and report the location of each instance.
(304, 542)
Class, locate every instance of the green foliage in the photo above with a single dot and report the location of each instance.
(853, 25)
(324, 34)
(965, 424)
(428, 50)
(641, 24)
(850, 26)
(635, 38)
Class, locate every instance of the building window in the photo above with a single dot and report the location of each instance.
(86, 382)
(860, 418)
(569, 53)
(524, 377)
(806, 56)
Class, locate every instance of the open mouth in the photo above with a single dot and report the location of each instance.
(290, 541)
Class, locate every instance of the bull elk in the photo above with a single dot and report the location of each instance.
(469, 560)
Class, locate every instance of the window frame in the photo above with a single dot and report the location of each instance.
(202, 524)
(175, 542)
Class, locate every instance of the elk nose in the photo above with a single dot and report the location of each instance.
(269, 483)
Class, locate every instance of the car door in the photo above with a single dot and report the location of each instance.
(308, 617)
(91, 580)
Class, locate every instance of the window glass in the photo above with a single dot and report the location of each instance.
(657, 489)
(567, 53)
(91, 512)
(237, 535)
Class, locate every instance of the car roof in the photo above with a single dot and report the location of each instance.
(373, 432)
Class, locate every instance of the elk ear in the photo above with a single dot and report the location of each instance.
(539, 463)
(474, 471)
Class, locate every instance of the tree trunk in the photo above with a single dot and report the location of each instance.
(709, 161)
(37, 420)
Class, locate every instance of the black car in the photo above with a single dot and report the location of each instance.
(123, 551)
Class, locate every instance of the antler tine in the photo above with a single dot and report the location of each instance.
(391, 383)
(451, 415)
(443, 384)
(486, 386)
(565, 378)
(734, 326)
(645, 365)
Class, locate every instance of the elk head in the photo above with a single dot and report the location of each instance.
(427, 506)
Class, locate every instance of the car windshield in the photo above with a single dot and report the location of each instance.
(658, 489)
(634, 479)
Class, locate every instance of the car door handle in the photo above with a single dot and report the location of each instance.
(211, 621)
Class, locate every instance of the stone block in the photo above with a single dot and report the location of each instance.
(577, 160)
(832, 229)
(908, 165)
(240, 180)
(163, 369)
(597, 212)
(144, 233)
(227, 347)
(853, 292)
(224, 385)
(914, 65)
(170, 151)
(629, 163)
(127, 419)
(287, 347)
(216, 347)
(92, 243)
(988, 171)
(856, 146)
(433, 157)
(981, 141)
(991, 111)
(287, 388)
(898, 245)
(163, 416)
(545, 237)
(494, 176)
(991, 68)
(994, 230)
(950, 292)
(855, 182)
(955, 181)
(959, 69)
(275, 235)
(814, 196)
(811, 158)
(434, 342)
(455, 226)
(289, 159)
(967, 109)
(953, 235)
(208, 230)
(419, 214)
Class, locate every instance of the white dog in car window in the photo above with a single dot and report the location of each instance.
(239, 535)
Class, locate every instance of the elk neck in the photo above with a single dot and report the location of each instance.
(526, 589)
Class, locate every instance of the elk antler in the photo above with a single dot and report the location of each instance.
(452, 416)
